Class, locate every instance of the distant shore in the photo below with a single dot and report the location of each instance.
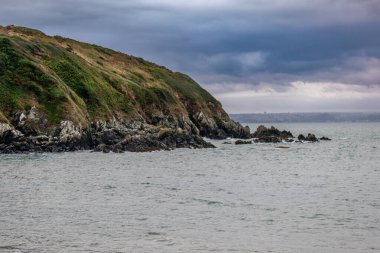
(307, 117)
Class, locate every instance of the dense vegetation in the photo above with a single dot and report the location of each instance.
(72, 80)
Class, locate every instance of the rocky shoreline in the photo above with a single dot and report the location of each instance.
(28, 132)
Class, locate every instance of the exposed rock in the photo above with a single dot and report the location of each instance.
(309, 138)
(169, 121)
(268, 135)
(10, 136)
(30, 122)
(117, 149)
(324, 138)
(108, 148)
(301, 137)
(219, 128)
(240, 142)
(273, 135)
(4, 127)
(263, 131)
(31, 135)
(101, 136)
(100, 148)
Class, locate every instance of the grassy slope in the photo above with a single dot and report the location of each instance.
(81, 82)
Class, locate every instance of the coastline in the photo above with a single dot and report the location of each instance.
(29, 132)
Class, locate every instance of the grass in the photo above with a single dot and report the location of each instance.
(86, 83)
(27, 31)
(187, 88)
(69, 79)
(3, 119)
(22, 82)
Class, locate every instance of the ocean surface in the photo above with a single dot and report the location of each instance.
(321, 197)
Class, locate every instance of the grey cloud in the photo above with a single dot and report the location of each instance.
(225, 45)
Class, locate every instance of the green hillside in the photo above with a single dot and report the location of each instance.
(70, 80)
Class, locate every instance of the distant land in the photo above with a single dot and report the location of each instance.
(306, 117)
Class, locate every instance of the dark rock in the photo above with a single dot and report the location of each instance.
(311, 138)
(23, 146)
(325, 138)
(117, 149)
(105, 148)
(10, 136)
(301, 137)
(108, 148)
(264, 134)
(112, 136)
(100, 148)
(273, 135)
(219, 128)
(106, 136)
(241, 142)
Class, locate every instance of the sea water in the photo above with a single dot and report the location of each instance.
(310, 197)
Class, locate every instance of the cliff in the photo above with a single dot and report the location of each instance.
(59, 94)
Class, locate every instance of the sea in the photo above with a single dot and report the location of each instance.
(309, 197)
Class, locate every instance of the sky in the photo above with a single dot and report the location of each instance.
(252, 55)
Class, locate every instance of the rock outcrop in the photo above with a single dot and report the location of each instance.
(271, 135)
(106, 136)
(219, 128)
(308, 138)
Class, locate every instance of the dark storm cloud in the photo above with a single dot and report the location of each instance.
(228, 46)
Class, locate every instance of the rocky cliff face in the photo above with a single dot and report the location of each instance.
(57, 94)
(27, 135)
